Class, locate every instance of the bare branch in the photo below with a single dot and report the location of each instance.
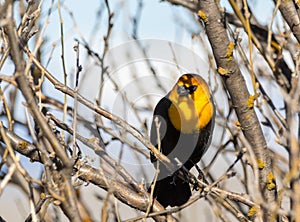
(289, 13)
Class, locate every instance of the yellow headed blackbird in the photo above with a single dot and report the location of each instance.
(186, 121)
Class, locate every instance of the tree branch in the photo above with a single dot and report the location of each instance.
(290, 15)
(123, 191)
(236, 86)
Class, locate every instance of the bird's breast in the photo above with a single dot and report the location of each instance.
(188, 116)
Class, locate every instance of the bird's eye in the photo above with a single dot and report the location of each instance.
(192, 89)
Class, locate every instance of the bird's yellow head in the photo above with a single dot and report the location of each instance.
(192, 106)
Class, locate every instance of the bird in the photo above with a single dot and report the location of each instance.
(182, 127)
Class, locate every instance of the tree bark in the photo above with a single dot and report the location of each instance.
(236, 86)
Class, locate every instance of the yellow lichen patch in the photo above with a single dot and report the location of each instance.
(250, 101)
(271, 182)
(42, 195)
(252, 211)
(92, 140)
(87, 219)
(56, 202)
(202, 15)
(223, 72)
(237, 123)
(23, 145)
(261, 164)
(229, 51)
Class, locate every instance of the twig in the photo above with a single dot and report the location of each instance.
(63, 58)
(105, 50)
(8, 176)
(157, 125)
(103, 112)
(75, 107)
(27, 92)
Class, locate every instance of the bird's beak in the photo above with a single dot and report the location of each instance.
(182, 91)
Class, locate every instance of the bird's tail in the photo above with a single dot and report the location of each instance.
(171, 191)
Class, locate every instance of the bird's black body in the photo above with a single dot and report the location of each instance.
(179, 147)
